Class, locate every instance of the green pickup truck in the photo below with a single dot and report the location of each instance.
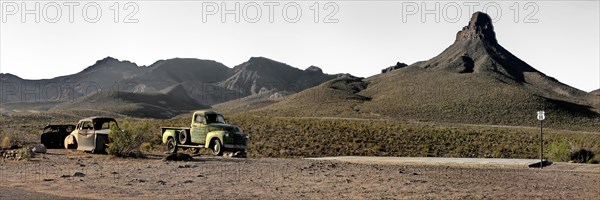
(208, 129)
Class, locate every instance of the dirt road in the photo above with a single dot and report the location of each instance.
(73, 174)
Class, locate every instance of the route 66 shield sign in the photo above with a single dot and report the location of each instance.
(540, 115)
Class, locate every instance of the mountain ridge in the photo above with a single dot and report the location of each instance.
(207, 82)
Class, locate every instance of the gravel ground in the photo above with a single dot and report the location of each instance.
(63, 173)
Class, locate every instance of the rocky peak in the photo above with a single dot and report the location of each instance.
(480, 28)
(314, 69)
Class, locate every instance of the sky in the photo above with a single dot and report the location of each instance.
(559, 38)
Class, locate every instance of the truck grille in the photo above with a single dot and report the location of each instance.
(239, 139)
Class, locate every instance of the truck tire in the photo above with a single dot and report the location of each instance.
(183, 137)
(216, 147)
(172, 145)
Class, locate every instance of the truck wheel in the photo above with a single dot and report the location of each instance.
(183, 137)
(216, 147)
(171, 145)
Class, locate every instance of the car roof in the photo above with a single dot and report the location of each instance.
(205, 112)
(96, 118)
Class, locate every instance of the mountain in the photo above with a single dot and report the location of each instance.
(475, 80)
(183, 83)
(105, 74)
(595, 92)
(260, 73)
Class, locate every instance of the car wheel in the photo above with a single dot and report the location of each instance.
(216, 147)
(171, 145)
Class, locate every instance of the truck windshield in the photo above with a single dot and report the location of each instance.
(214, 118)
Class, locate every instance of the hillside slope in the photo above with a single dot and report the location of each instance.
(475, 81)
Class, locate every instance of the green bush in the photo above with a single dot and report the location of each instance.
(24, 153)
(126, 140)
(559, 151)
(147, 146)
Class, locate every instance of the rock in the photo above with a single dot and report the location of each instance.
(480, 27)
(188, 181)
(397, 66)
(40, 148)
(31, 153)
(314, 69)
(178, 157)
(78, 174)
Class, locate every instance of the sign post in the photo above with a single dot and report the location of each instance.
(541, 117)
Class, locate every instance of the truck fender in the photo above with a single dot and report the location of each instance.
(212, 135)
(168, 133)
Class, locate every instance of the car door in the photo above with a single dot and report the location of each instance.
(199, 130)
(85, 137)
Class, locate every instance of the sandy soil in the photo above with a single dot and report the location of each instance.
(236, 178)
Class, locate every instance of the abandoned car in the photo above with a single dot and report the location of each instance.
(90, 134)
(53, 136)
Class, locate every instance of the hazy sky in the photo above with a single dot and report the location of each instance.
(559, 38)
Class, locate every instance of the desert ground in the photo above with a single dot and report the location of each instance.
(67, 174)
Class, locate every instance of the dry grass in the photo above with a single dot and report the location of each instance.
(314, 137)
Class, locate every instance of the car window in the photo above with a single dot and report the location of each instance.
(103, 124)
(87, 125)
(214, 118)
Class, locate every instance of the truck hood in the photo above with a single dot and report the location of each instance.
(224, 127)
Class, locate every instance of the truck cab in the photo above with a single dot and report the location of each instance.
(208, 129)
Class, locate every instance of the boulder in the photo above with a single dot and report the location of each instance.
(40, 148)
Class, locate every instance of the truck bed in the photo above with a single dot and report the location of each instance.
(163, 129)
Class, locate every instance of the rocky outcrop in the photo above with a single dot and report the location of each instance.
(480, 27)
(397, 66)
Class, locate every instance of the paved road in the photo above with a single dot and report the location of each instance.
(482, 162)
(512, 163)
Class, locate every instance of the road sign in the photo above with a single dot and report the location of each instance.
(540, 115)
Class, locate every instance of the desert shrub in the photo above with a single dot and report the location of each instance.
(582, 156)
(24, 153)
(6, 142)
(147, 146)
(126, 140)
(559, 151)
(595, 160)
